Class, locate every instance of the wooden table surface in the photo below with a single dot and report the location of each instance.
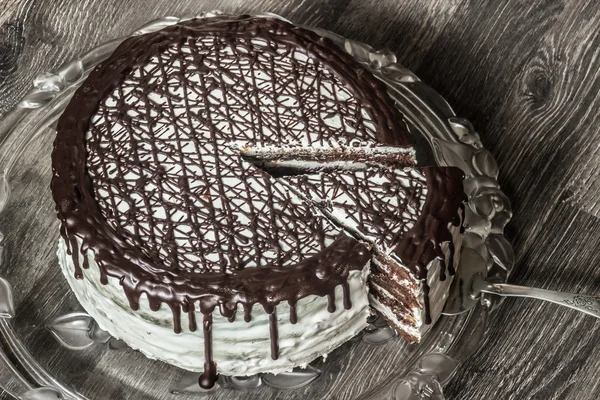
(526, 73)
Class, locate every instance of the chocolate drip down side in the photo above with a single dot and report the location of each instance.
(209, 377)
(422, 243)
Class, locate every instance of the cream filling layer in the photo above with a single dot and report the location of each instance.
(438, 291)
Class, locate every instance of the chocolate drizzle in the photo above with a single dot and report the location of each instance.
(331, 302)
(426, 306)
(381, 203)
(190, 309)
(247, 310)
(273, 334)
(293, 314)
(346, 296)
(209, 377)
(422, 243)
(176, 317)
(93, 188)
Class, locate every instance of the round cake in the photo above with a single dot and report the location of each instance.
(236, 193)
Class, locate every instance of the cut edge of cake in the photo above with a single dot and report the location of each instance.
(410, 304)
(400, 296)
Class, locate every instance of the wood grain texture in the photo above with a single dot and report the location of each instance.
(526, 73)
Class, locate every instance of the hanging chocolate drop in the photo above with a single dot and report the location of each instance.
(274, 334)
(293, 314)
(209, 377)
(346, 295)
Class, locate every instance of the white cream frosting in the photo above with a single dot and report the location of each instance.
(239, 348)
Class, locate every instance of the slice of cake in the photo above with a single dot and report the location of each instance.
(410, 218)
(175, 244)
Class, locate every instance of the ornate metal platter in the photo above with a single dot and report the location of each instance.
(50, 348)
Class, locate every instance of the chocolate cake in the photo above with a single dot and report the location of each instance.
(397, 212)
(180, 240)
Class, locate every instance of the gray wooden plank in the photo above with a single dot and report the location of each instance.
(526, 73)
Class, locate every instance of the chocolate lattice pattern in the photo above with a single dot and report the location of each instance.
(382, 204)
(164, 174)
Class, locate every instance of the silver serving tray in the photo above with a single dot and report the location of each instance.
(50, 348)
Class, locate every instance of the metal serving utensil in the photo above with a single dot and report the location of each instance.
(471, 282)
